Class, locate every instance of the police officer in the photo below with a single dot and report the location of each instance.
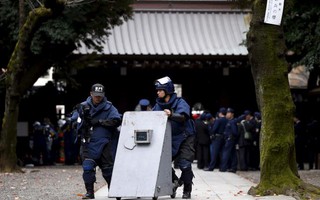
(229, 157)
(183, 132)
(40, 150)
(256, 142)
(143, 105)
(246, 130)
(97, 121)
(217, 138)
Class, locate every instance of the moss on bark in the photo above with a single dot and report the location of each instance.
(279, 174)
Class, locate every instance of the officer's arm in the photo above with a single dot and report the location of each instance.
(177, 117)
(110, 122)
(74, 116)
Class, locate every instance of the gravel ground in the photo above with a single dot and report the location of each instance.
(65, 182)
(45, 183)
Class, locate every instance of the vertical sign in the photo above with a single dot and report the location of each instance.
(274, 12)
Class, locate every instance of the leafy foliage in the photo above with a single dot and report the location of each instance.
(86, 22)
(8, 29)
(302, 32)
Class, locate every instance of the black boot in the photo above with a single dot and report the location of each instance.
(88, 196)
(176, 184)
(90, 191)
(187, 188)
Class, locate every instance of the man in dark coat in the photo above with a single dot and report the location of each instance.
(203, 140)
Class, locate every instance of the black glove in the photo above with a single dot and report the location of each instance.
(94, 122)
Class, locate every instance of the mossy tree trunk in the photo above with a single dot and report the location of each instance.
(21, 73)
(266, 46)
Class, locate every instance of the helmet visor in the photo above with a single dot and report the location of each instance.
(164, 80)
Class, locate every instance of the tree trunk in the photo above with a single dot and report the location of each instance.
(266, 46)
(16, 79)
(8, 158)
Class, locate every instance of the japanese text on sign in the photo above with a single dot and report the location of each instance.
(274, 12)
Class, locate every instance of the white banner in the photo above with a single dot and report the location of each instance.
(274, 12)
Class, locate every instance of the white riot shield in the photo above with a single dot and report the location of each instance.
(142, 165)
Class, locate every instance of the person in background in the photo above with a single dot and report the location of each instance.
(229, 160)
(52, 141)
(211, 120)
(313, 139)
(300, 140)
(144, 105)
(71, 144)
(40, 150)
(256, 142)
(97, 122)
(243, 145)
(203, 141)
(250, 125)
(183, 133)
(217, 138)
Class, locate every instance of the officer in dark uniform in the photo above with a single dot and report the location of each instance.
(229, 156)
(144, 105)
(256, 142)
(183, 132)
(217, 138)
(40, 150)
(71, 144)
(247, 128)
(97, 121)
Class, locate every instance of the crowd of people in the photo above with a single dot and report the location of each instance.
(226, 142)
(231, 143)
(52, 144)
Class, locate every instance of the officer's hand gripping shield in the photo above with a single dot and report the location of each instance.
(142, 165)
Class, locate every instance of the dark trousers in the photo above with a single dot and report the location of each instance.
(234, 159)
(226, 157)
(203, 155)
(244, 158)
(184, 159)
(255, 157)
(105, 163)
(216, 146)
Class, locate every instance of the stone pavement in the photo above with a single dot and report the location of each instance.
(211, 186)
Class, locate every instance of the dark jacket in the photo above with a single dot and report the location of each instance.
(249, 126)
(180, 130)
(202, 132)
(100, 134)
(231, 129)
(219, 126)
